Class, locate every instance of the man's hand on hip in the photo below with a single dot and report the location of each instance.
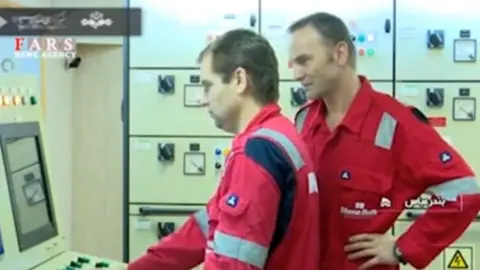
(378, 247)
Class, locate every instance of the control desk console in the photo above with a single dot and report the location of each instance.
(31, 238)
(71, 261)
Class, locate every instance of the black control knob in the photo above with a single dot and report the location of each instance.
(298, 96)
(218, 165)
(435, 39)
(166, 152)
(164, 229)
(166, 84)
(435, 97)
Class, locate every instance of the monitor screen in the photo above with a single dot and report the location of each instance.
(29, 191)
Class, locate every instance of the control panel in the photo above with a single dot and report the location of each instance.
(164, 169)
(438, 42)
(173, 100)
(30, 236)
(187, 32)
(425, 55)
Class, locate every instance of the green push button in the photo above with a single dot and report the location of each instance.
(102, 265)
(75, 264)
(33, 100)
(83, 260)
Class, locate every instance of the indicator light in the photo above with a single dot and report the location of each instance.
(6, 100)
(218, 151)
(370, 52)
(361, 52)
(361, 38)
(226, 151)
(17, 100)
(370, 37)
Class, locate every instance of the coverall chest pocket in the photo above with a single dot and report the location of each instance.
(363, 194)
(232, 210)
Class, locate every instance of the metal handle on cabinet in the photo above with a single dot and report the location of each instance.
(253, 20)
(387, 26)
(152, 211)
(413, 216)
(122, 111)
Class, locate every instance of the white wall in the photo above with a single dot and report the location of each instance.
(58, 138)
(84, 144)
(97, 152)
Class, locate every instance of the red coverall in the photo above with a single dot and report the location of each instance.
(382, 151)
(264, 214)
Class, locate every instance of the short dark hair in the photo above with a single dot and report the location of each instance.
(331, 28)
(249, 50)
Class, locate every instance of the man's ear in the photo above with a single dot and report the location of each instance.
(240, 78)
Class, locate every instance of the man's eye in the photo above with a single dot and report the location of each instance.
(302, 61)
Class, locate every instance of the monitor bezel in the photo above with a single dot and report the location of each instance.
(47, 232)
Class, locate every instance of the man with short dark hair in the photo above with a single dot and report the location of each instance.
(369, 148)
(264, 214)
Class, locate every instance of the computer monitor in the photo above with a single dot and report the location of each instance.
(26, 174)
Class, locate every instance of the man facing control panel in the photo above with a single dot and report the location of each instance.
(264, 214)
(367, 146)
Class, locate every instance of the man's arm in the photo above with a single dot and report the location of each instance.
(181, 250)
(432, 165)
(248, 211)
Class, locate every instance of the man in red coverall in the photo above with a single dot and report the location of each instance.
(368, 147)
(264, 214)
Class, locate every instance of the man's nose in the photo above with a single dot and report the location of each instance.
(298, 73)
(204, 102)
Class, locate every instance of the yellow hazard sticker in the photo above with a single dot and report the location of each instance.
(458, 258)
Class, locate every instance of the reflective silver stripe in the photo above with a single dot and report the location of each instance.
(450, 190)
(202, 220)
(210, 244)
(240, 249)
(386, 131)
(300, 118)
(285, 143)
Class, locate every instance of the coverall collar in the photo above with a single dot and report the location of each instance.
(267, 112)
(358, 109)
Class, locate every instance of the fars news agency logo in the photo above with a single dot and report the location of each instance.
(45, 47)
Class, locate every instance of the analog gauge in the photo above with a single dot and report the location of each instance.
(194, 163)
(464, 108)
(34, 192)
